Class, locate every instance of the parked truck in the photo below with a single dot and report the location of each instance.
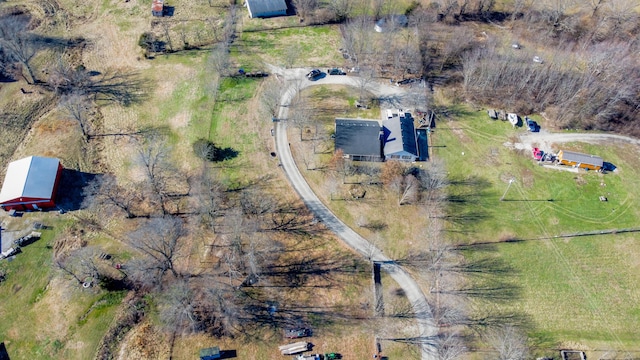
(292, 349)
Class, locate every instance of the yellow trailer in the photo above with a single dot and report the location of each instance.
(584, 161)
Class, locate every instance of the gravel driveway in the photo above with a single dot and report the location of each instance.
(392, 95)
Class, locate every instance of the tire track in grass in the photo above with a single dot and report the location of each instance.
(575, 279)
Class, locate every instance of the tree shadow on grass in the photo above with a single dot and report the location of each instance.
(321, 270)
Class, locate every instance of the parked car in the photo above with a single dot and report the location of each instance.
(336, 71)
(532, 125)
(538, 154)
(296, 333)
(314, 74)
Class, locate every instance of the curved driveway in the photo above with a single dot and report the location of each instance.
(427, 330)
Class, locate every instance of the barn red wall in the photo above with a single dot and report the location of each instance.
(22, 204)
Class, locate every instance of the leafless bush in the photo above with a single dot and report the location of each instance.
(600, 95)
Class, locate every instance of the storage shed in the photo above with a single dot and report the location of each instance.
(584, 161)
(30, 184)
(266, 8)
(157, 7)
(211, 353)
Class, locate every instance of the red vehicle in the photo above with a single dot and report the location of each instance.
(538, 154)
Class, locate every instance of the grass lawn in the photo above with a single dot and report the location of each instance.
(290, 47)
(577, 291)
(47, 316)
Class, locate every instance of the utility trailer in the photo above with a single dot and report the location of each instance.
(292, 349)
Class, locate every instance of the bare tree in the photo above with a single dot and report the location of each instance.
(305, 8)
(160, 240)
(271, 96)
(117, 86)
(17, 44)
(219, 59)
(365, 79)
(178, 306)
(408, 191)
(450, 346)
(509, 342)
(209, 197)
(300, 113)
(357, 39)
(341, 9)
(78, 108)
(164, 181)
(105, 194)
(80, 264)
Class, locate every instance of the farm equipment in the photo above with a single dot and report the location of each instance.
(297, 333)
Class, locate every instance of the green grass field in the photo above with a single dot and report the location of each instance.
(48, 317)
(576, 291)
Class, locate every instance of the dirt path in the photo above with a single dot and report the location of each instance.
(427, 330)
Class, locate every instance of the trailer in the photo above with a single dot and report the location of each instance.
(584, 161)
(308, 357)
(27, 239)
(292, 349)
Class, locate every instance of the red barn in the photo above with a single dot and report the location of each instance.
(30, 184)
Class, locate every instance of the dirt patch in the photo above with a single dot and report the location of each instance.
(54, 309)
(181, 120)
(144, 342)
(527, 178)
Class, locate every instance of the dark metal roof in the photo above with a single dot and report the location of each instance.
(582, 158)
(358, 137)
(259, 7)
(423, 144)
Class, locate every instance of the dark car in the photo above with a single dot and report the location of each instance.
(336, 71)
(532, 125)
(314, 74)
(297, 333)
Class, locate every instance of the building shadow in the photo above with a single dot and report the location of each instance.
(228, 354)
(70, 189)
(168, 10)
(4, 355)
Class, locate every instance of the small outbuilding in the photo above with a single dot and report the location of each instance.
(266, 8)
(157, 7)
(583, 161)
(30, 184)
(211, 353)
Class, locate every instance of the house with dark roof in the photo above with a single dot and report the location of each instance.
(266, 8)
(359, 140)
(30, 184)
(396, 139)
(399, 138)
